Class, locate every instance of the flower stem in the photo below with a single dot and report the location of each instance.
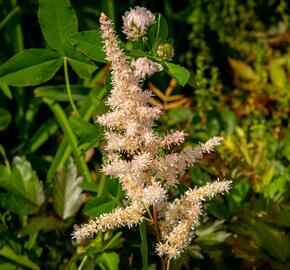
(68, 87)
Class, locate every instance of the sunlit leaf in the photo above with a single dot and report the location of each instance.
(89, 135)
(58, 21)
(243, 70)
(30, 67)
(19, 259)
(23, 187)
(80, 63)
(110, 260)
(98, 206)
(277, 74)
(90, 43)
(67, 197)
(211, 233)
(178, 72)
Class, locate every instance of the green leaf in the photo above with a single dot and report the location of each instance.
(93, 187)
(17, 204)
(30, 67)
(275, 242)
(110, 260)
(240, 191)
(59, 92)
(114, 242)
(23, 186)
(19, 259)
(70, 137)
(42, 223)
(89, 135)
(79, 62)
(243, 70)
(144, 245)
(29, 183)
(181, 74)
(58, 21)
(230, 120)
(158, 32)
(67, 197)
(211, 233)
(6, 90)
(90, 43)
(5, 118)
(218, 209)
(98, 206)
(278, 74)
(7, 266)
(178, 114)
(278, 214)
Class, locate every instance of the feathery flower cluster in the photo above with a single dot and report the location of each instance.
(136, 21)
(134, 157)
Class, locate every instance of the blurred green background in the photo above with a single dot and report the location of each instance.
(238, 56)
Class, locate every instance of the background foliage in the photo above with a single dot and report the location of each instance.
(237, 53)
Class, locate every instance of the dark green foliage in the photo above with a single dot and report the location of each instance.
(232, 59)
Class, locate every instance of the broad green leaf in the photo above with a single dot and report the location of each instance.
(58, 21)
(42, 223)
(277, 189)
(110, 260)
(178, 114)
(59, 92)
(275, 242)
(98, 206)
(29, 183)
(211, 233)
(89, 135)
(80, 63)
(5, 118)
(240, 191)
(23, 186)
(90, 43)
(17, 204)
(67, 197)
(181, 74)
(19, 259)
(30, 67)
(198, 175)
(93, 187)
(218, 209)
(278, 214)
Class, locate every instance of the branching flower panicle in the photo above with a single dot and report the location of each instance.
(134, 156)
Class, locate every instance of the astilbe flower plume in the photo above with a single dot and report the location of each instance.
(134, 157)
